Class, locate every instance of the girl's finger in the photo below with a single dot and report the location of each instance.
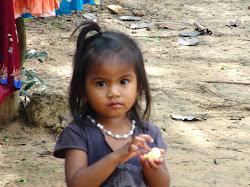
(140, 141)
(146, 137)
(134, 149)
(159, 161)
(152, 164)
(162, 151)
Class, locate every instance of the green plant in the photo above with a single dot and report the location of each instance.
(34, 54)
(30, 79)
(4, 136)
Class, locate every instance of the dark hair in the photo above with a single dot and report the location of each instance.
(91, 50)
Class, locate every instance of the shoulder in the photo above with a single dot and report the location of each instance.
(76, 129)
(73, 136)
(155, 132)
(150, 128)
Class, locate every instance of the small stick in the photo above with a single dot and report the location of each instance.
(226, 82)
(202, 29)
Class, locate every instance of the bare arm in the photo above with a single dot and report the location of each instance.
(78, 173)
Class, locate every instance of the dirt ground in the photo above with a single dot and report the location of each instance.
(210, 81)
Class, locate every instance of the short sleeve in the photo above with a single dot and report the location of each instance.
(73, 136)
(155, 133)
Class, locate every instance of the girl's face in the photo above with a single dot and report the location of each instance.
(111, 88)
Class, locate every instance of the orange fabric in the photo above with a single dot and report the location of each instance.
(38, 8)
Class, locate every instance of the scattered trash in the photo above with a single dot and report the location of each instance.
(34, 54)
(234, 23)
(141, 26)
(224, 68)
(202, 29)
(44, 141)
(90, 16)
(139, 13)
(190, 34)
(21, 180)
(115, 9)
(236, 118)
(170, 26)
(130, 18)
(216, 162)
(43, 153)
(163, 130)
(188, 41)
(184, 118)
(152, 39)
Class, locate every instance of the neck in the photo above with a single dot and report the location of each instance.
(118, 130)
(110, 122)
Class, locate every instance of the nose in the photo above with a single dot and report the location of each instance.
(113, 91)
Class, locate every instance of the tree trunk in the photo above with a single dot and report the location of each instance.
(10, 106)
(22, 40)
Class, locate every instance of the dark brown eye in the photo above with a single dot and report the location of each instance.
(101, 84)
(124, 82)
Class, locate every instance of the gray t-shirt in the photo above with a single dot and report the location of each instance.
(90, 139)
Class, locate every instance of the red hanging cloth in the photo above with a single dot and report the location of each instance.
(9, 51)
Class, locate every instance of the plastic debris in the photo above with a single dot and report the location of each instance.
(90, 16)
(130, 18)
(234, 23)
(21, 180)
(190, 34)
(141, 26)
(188, 41)
(184, 118)
(216, 162)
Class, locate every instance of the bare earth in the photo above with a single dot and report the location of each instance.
(213, 151)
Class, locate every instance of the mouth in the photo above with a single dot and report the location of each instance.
(115, 105)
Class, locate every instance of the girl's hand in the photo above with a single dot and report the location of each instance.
(152, 164)
(131, 149)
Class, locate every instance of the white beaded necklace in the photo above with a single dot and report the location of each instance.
(116, 136)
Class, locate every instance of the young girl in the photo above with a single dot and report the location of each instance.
(105, 144)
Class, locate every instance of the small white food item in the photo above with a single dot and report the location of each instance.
(153, 154)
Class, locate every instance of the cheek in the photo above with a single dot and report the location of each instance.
(95, 101)
(95, 96)
(133, 93)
